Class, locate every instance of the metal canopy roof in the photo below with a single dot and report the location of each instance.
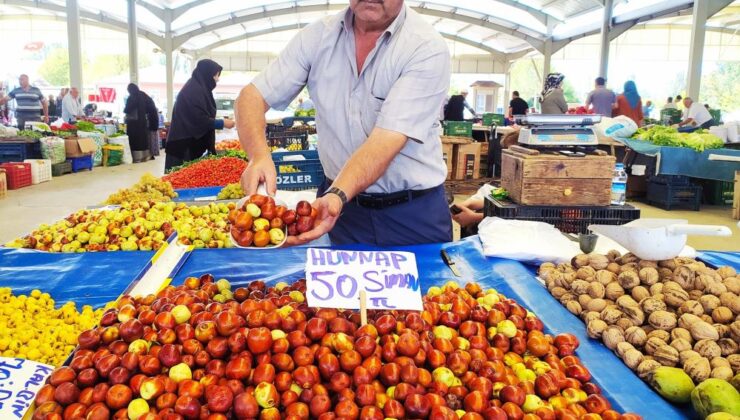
(502, 28)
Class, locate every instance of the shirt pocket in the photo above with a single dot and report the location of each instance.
(370, 110)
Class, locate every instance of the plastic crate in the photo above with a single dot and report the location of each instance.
(40, 170)
(669, 179)
(490, 119)
(296, 175)
(18, 174)
(670, 116)
(59, 169)
(719, 193)
(667, 196)
(80, 163)
(19, 151)
(197, 194)
(716, 115)
(458, 128)
(3, 184)
(287, 139)
(566, 219)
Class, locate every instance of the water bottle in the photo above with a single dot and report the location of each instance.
(619, 185)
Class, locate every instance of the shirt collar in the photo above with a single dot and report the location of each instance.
(347, 22)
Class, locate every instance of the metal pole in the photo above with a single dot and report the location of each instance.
(507, 86)
(74, 45)
(548, 58)
(696, 51)
(169, 68)
(133, 43)
(605, 26)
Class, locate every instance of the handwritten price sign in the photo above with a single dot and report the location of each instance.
(20, 379)
(390, 279)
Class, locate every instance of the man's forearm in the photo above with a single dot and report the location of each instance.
(370, 161)
(45, 106)
(250, 122)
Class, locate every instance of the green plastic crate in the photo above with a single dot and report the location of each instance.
(458, 128)
(490, 119)
(670, 116)
(719, 193)
(716, 115)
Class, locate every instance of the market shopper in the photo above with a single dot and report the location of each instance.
(647, 109)
(629, 103)
(697, 116)
(669, 104)
(552, 99)
(517, 105)
(456, 105)
(136, 123)
(52, 107)
(152, 121)
(601, 100)
(71, 106)
(378, 74)
(30, 103)
(192, 130)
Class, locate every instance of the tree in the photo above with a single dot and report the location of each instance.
(719, 88)
(55, 69)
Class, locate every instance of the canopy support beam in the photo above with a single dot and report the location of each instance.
(133, 43)
(168, 56)
(74, 44)
(605, 27)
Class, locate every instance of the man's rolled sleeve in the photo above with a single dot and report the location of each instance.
(413, 103)
(284, 78)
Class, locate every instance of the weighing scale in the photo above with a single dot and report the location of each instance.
(569, 131)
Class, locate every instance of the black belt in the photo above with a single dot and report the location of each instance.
(382, 201)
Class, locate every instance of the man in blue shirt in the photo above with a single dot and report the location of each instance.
(30, 103)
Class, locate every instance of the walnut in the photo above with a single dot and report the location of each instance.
(665, 274)
(669, 264)
(686, 320)
(595, 328)
(653, 344)
(580, 260)
(590, 316)
(651, 305)
(574, 307)
(628, 258)
(583, 300)
(613, 267)
(558, 291)
(722, 372)
(666, 355)
(732, 284)
(632, 358)
(715, 287)
(719, 361)
(605, 277)
(708, 348)
(635, 314)
(579, 287)
(735, 331)
(663, 335)
(613, 291)
(624, 323)
(627, 301)
(698, 368)
(648, 276)
(682, 333)
(735, 307)
(612, 336)
(726, 298)
(684, 276)
(635, 336)
(598, 261)
(727, 346)
(700, 281)
(612, 255)
(674, 297)
(702, 330)
(722, 315)
(596, 289)
(691, 307)
(597, 305)
(663, 320)
(548, 266)
(585, 273)
(706, 318)
(723, 330)
(686, 355)
(695, 294)
(726, 272)
(656, 289)
(646, 367)
(734, 360)
(565, 268)
(639, 293)
(628, 279)
(623, 347)
(567, 297)
(647, 263)
(611, 314)
(681, 345)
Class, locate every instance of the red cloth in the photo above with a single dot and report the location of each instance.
(624, 108)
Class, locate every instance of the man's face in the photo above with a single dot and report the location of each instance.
(74, 92)
(23, 80)
(687, 102)
(376, 11)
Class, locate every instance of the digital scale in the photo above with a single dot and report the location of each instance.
(540, 130)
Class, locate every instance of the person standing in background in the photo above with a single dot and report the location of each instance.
(601, 100)
(669, 104)
(4, 112)
(52, 107)
(647, 109)
(71, 107)
(30, 103)
(152, 120)
(137, 128)
(455, 109)
(62, 93)
(552, 98)
(629, 103)
(517, 105)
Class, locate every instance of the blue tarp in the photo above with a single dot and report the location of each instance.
(718, 259)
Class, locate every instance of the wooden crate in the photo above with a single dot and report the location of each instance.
(551, 179)
(449, 158)
(467, 161)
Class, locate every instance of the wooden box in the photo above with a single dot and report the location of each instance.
(467, 161)
(449, 158)
(551, 179)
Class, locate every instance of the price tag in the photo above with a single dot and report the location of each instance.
(390, 279)
(20, 379)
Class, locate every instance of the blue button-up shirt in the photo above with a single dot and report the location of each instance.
(401, 87)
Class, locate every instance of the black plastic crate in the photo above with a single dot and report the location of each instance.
(669, 179)
(668, 196)
(287, 139)
(567, 219)
(19, 151)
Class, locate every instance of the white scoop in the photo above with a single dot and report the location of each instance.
(657, 239)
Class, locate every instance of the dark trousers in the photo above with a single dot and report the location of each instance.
(22, 117)
(422, 220)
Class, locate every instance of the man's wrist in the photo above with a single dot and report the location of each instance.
(339, 193)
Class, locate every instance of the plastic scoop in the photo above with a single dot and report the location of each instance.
(657, 239)
(240, 204)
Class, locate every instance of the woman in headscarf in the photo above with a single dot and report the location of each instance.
(552, 99)
(136, 124)
(629, 103)
(194, 122)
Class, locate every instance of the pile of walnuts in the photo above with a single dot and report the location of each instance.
(675, 312)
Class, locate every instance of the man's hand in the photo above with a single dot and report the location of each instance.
(329, 207)
(46, 119)
(467, 217)
(259, 170)
(228, 123)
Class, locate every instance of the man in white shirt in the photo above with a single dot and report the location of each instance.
(71, 106)
(697, 116)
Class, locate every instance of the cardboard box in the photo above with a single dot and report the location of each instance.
(76, 147)
(449, 158)
(467, 161)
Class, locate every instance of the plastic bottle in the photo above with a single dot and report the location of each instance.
(619, 185)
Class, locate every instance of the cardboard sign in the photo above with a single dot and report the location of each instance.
(334, 279)
(20, 379)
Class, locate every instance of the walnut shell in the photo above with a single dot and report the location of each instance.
(691, 307)
(598, 261)
(647, 263)
(596, 289)
(651, 305)
(623, 347)
(702, 330)
(605, 277)
(715, 287)
(656, 289)
(595, 328)
(719, 361)
(683, 333)
(547, 266)
(681, 344)
(684, 276)
(583, 300)
(666, 274)
(686, 355)
(613, 254)
(726, 298)
(669, 264)
(663, 335)
(611, 314)
(727, 346)
(726, 271)
(567, 297)
(596, 305)
(558, 292)
(579, 287)
(697, 368)
(624, 323)
(613, 291)
(585, 273)
(734, 360)
(722, 315)
(627, 301)
(674, 297)
(735, 331)
(565, 268)
(653, 344)
(732, 284)
(706, 318)
(574, 307)
(629, 267)
(666, 355)
(649, 276)
(628, 279)
(687, 320)
(580, 260)
(635, 336)
(663, 320)
(723, 330)
(632, 358)
(646, 367)
(708, 348)
(639, 293)
(722, 372)
(590, 316)
(628, 258)
(695, 294)
(635, 314)
(612, 336)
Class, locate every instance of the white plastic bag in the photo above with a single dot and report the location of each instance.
(123, 141)
(53, 148)
(619, 126)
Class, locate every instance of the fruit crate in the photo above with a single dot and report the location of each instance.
(205, 194)
(716, 115)
(81, 163)
(566, 219)
(667, 196)
(59, 169)
(19, 151)
(458, 128)
(3, 184)
(296, 175)
(669, 179)
(491, 119)
(18, 174)
(670, 116)
(40, 170)
(718, 193)
(290, 140)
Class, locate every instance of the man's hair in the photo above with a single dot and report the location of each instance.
(687, 99)
(678, 97)
(600, 81)
(515, 93)
(670, 99)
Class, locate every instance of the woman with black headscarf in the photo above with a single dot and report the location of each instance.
(136, 124)
(194, 122)
(552, 99)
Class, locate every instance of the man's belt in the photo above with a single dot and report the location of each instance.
(379, 201)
